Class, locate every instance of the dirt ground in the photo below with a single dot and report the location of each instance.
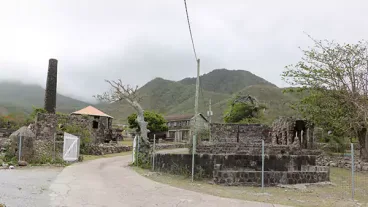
(337, 193)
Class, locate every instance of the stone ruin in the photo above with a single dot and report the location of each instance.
(47, 141)
(292, 131)
(234, 155)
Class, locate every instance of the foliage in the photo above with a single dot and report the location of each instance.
(83, 133)
(334, 77)
(244, 112)
(156, 122)
(34, 113)
(13, 121)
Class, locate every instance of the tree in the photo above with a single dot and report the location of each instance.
(120, 92)
(156, 122)
(244, 109)
(334, 80)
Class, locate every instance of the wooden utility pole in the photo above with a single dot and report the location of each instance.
(209, 113)
(195, 118)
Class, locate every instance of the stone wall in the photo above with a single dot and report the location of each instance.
(240, 133)
(4, 138)
(46, 126)
(162, 146)
(205, 163)
(102, 149)
(342, 162)
(239, 148)
(271, 178)
(292, 131)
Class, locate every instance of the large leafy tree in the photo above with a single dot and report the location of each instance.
(333, 80)
(244, 109)
(156, 122)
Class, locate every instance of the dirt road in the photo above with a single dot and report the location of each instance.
(110, 182)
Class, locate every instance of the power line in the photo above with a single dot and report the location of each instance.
(190, 30)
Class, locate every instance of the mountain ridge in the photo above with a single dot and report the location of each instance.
(166, 96)
(21, 97)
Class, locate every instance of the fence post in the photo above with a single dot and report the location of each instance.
(193, 153)
(263, 165)
(137, 151)
(352, 170)
(20, 147)
(154, 152)
(55, 146)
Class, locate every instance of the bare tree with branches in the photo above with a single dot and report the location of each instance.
(121, 92)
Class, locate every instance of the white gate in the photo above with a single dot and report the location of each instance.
(71, 147)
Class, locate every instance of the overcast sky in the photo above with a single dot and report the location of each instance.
(143, 39)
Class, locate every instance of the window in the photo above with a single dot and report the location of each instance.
(95, 124)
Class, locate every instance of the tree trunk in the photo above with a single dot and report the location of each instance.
(144, 145)
(363, 142)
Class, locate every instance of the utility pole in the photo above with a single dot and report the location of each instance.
(195, 118)
(209, 114)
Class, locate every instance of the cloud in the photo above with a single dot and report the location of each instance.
(140, 40)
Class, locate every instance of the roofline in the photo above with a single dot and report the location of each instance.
(189, 118)
(73, 113)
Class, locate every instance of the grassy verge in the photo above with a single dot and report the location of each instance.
(127, 142)
(336, 194)
(93, 157)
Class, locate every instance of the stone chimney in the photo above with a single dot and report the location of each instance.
(51, 83)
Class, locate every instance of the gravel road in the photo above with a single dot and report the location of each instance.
(27, 187)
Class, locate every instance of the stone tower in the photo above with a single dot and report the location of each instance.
(51, 83)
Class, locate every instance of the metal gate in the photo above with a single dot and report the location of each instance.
(71, 147)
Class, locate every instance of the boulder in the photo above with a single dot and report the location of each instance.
(22, 163)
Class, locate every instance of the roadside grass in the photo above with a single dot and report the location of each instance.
(127, 142)
(336, 194)
(93, 157)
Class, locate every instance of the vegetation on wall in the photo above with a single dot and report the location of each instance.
(77, 130)
(244, 109)
(156, 122)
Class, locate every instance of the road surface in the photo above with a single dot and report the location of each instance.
(109, 182)
(27, 187)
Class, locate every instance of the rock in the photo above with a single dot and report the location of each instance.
(365, 168)
(11, 167)
(332, 164)
(358, 167)
(22, 163)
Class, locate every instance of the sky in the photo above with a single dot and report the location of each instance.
(137, 41)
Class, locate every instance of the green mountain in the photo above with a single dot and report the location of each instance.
(164, 96)
(16, 97)
(171, 97)
(227, 81)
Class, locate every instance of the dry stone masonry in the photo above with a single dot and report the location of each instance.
(233, 156)
(106, 148)
(292, 131)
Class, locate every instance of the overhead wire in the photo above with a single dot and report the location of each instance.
(190, 31)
